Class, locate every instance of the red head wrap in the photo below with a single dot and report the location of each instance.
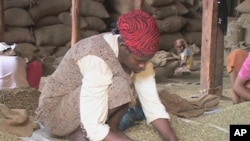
(140, 32)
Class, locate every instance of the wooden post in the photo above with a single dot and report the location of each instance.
(75, 11)
(1, 21)
(212, 51)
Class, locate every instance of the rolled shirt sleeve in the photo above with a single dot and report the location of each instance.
(146, 89)
(94, 96)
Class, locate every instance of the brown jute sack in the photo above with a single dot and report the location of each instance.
(167, 71)
(45, 51)
(18, 3)
(15, 121)
(93, 8)
(48, 8)
(65, 18)
(48, 20)
(178, 105)
(122, 6)
(243, 7)
(17, 17)
(18, 35)
(159, 2)
(171, 24)
(87, 33)
(193, 37)
(26, 50)
(173, 9)
(95, 23)
(244, 20)
(61, 51)
(193, 25)
(167, 40)
(55, 35)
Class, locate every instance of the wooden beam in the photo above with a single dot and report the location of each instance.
(75, 11)
(212, 51)
(2, 27)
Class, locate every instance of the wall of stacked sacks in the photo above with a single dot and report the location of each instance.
(43, 27)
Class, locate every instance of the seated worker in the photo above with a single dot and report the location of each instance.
(241, 85)
(186, 55)
(93, 86)
(16, 71)
(235, 60)
(12, 68)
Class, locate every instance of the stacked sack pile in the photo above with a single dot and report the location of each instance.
(43, 27)
(244, 19)
(175, 19)
(238, 30)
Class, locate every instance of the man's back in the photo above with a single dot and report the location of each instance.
(12, 72)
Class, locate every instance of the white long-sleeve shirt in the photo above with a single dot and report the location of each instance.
(94, 93)
(12, 72)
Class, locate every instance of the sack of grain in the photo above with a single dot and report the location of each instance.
(173, 9)
(93, 8)
(171, 24)
(159, 2)
(95, 23)
(243, 7)
(66, 18)
(48, 8)
(193, 25)
(18, 35)
(48, 20)
(17, 17)
(18, 3)
(55, 35)
(167, 40)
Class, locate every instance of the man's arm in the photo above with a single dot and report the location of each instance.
(240, 88)
(164, 128)
(153, 109)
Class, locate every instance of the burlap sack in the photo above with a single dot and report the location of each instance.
(122, 6)
(55, 35)
(159, 2)
(193, 37)
(18, 3)
(167, 71)
(95, 23)
(244, 20)
(18, 35)
(167, 40)
(93, 8)
(48, 20)
(88, 33)
(45, 8)
(161, 58)
(171, 24)
(15, 121)
(65, 18)
(193, 25)
(173, 9)
(61, 51)
(243, 7)
(17, 17)
(45, 51)
(26, 50)
(179, 106)
(234, 33)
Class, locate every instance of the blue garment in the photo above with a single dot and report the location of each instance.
(131, 116)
